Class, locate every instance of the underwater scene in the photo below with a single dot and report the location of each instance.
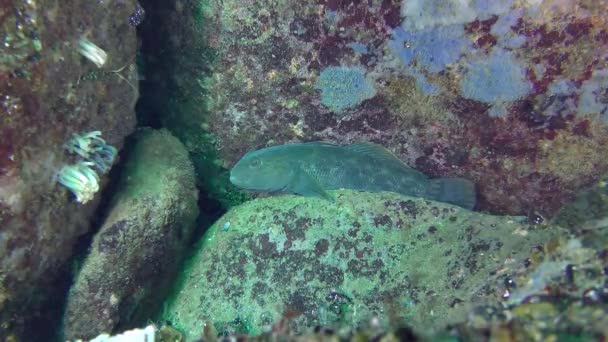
(303, 170)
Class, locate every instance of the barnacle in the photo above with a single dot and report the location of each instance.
(93, 152)
(92, 147)
(104, 157)
(84, 145)
(80, 179)
(92, 52)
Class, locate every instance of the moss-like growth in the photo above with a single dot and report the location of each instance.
(399, 259)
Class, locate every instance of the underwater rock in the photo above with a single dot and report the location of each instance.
(134, 255)
(174, 90)
(462, 88)
(588, 212)
(49, 91)
(561, 292)
(382, 256)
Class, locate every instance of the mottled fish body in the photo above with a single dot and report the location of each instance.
(310, 169)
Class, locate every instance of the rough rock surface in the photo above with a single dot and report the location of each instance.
(48, 91)
(401, 260)
(508, 94)
(135, 254)
(175, 49)
(588, 211)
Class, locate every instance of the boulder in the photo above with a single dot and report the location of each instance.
(139, 247)
(367, 257)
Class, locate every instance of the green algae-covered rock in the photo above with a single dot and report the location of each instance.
(365, 256)
(138, 249)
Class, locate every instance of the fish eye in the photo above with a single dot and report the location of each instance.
(255, 162)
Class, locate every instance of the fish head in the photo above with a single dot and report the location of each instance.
(262, 171)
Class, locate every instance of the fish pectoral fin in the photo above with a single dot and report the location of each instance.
(307, 186)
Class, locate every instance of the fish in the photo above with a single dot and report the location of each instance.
(313, 168)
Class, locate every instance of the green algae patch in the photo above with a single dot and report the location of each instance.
(367, 255)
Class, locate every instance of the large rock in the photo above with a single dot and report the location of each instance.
(135, 254)
(401, 260)
(49, 91)
(507, 94)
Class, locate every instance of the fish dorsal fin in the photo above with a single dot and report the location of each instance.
(319, 143)
(376, 151)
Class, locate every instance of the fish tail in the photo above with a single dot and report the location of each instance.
(457, 191)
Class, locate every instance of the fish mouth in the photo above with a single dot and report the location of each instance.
(235, 181)
(240, 183)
